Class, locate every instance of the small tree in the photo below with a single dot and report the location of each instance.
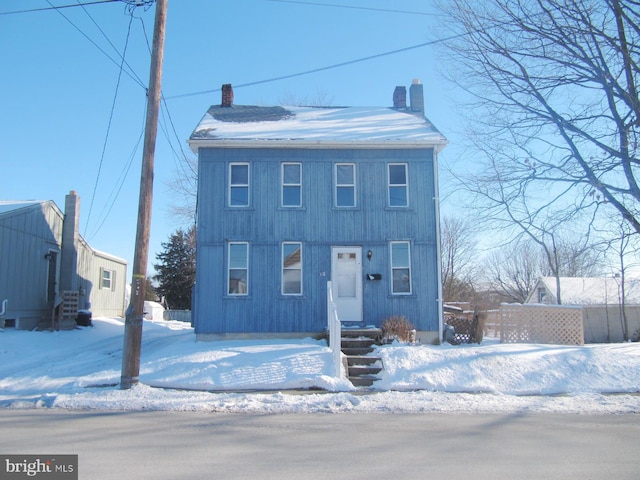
(458, 259)
(177, 269)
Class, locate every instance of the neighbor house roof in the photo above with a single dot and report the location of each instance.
(298, 126)
(589, 290)
(11, 205)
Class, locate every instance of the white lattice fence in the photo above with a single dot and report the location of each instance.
(541, 324)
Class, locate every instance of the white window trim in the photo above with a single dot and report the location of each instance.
(283, 184)
(354, 185)
(247, 185)
(111, 279)
(284, 269)
(391, 244)
(405, 185)
(246, 267)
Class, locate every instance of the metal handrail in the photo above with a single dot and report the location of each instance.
(335, 332)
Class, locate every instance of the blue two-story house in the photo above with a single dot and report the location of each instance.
(290, 198)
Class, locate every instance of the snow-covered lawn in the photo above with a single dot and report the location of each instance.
(80, 369)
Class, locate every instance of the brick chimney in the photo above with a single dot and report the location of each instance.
(400, 97)
(416, 96)
(69, 257)
(227, 95)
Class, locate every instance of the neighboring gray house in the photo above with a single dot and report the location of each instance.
(292, 197)
(42, 256)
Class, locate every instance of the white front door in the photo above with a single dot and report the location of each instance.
(346, 281)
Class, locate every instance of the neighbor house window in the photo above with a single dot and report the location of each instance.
(238, 184)
(292, 268)
(238, 270)
(345, 176)
(291, 184)
(401, 267)
(107, 279)
(398, 185)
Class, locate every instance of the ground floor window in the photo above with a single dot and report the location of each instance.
(292, 268)
(238, 268)
(400, 267)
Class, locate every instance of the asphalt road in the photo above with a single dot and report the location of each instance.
(196, 445)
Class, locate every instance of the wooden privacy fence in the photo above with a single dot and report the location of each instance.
(555, 324)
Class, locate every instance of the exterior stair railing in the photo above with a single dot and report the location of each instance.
(335, 332)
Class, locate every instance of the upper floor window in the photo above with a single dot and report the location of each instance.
(398, 185)
(292, 268)
(238, 184)
(345, 177)
(400, 268)
(291, 184)
(238, 268)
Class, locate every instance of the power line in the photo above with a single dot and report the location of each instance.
(119, 65)
(352, 7)
(139, 80)
(321, 69)
(113, 106)
(58, 7)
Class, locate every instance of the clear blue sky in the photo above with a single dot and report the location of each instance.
(58, 89)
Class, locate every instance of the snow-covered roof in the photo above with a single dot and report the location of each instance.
(592, 290)
(326, 126)
(11, 205)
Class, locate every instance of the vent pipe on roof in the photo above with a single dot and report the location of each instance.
(416, 96)
(400, 97)
(227, 95)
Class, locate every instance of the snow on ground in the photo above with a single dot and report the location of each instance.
(80, 369)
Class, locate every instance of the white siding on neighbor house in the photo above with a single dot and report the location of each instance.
(101, 301)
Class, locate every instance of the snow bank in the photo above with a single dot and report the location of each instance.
(80, 369)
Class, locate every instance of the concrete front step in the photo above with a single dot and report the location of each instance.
(356, 342)
(370, 332)
(363, 371)
(362, 360)
(363, 381)
(356, 351)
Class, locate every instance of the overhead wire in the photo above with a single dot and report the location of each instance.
(133, 73)
(115, 192)
(57, 7)
(139, 82)
(320, 69)
(353, 7)
(113, 106)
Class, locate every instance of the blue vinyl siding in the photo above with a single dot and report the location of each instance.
(318, 225)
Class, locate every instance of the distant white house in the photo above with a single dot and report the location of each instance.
(586, 291)
(607, 315)
(44, 260)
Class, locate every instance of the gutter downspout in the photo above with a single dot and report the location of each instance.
(436, 200)
(4, 307)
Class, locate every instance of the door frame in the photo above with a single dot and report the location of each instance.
(355, 307)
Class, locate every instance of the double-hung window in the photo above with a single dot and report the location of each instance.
(400, 268)
(238, 184)
(107, 279)
(345, 178)
(291, 184)
(292, 268)
(398, 185)
(238, 268)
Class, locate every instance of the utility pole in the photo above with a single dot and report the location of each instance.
(135, 312)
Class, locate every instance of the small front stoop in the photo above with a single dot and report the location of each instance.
(357, 345)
